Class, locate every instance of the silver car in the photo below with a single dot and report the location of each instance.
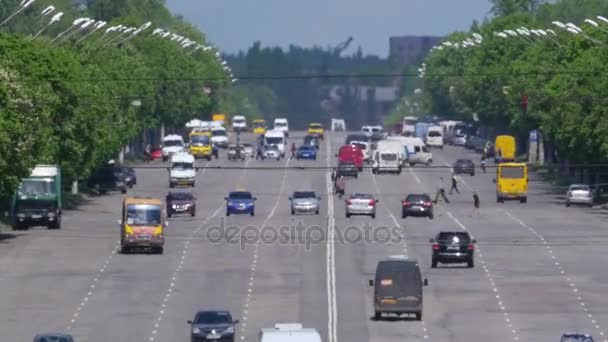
(579, 194)
(361, 204)
(305, 202)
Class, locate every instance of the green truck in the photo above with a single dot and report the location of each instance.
(37, 201)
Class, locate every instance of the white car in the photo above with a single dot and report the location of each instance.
(239, 123)
(172, 144)
(579, 194)
(219, 137)
(182, 171)
(458, 140)
(361, 204)
(281, 124)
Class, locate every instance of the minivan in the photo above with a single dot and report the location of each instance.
(351, 153)
(398, 287)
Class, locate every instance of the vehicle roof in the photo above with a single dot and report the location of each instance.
(280, 120)
(238, 117)
(435, 128)
(259, 120)
(315, 124)
(274, 133)
(143, 200)
(182, 157)
(173, 137)
(405, 259)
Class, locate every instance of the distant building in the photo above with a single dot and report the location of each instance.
(362, 104)
(406, 50)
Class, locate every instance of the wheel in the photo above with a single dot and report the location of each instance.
(498, 199)
(590, 205)
(377, 315)
(227, 213)
(252, 213)
(193, 213)
(193, 184)
(293, 212)
(433, 263)
(523, 200)
(567, 204)
(472, 174)
(171, 185)
(431, 216)
(123, 190)
(373, 215)
(412, 164)
(317, 212)
(403, 214)
(419, 316)
(470, 263)
(169, 213)
(356, 175)
(160, 250)
(347, 215)
(124, 250)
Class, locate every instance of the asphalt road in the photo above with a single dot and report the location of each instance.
(539, 266)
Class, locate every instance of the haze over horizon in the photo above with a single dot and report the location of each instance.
(235, 25)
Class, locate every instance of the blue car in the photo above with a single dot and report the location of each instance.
(306, 152)
(240, 202)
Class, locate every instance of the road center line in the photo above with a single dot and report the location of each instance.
(332, 310)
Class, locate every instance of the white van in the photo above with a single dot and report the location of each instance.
(281, 124)
(219, 137)
(434, 136)
(182, 171)
(289, 332)
(172, 143)
(367, 130)
(418, 152)
(276, 137)
(338, 125)
(239, 123)
(365, 147)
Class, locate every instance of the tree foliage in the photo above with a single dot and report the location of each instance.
(72, 103)
(563, 78)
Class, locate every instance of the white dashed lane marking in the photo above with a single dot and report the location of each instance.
(562, 272)
(490, 278)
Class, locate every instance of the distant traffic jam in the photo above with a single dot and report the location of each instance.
(398, 282)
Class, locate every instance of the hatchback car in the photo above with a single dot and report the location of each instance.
(347, 169)
(361, 204)
(240, 202)
(212, 326)
(180, 203)
(53, 338)
(306, 152)
(417, 205)
(305, 202)
(573, 337)
(465, 166)
(579, 194)
(453, 247)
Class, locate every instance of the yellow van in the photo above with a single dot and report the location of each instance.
(142, 224)
(512, 182)
(200, 144)
(504, 149)
(259, 126)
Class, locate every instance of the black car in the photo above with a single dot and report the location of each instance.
(417, 205)
(180, 203)
(109, 178)
(212, 326)
(464, 166)
(453, 247)
(130, 176)
(347, 169)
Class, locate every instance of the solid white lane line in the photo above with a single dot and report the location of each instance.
(256, 248)
(405, 247)
(332, 310)
(560, 269)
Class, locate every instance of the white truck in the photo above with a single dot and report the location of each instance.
(387, 157)
(418, 152)
(172, 143)
(338, 125)
(289, 332)
(277, 138)
(281, 124)
(434, 136)
(239, 123)
(182, 171)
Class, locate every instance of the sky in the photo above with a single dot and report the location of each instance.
(233, 25)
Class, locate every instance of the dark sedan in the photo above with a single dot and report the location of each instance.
(212, 326)
(417, 205)
(348, 169)
(453, 247)
(180, 203)
(464, 166)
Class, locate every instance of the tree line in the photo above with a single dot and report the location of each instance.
(554, 80)
(77, 104)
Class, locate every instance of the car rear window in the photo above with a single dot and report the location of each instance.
(417, 198)
(448, 236)
(304, 194)
(362, 196)
(579, 188)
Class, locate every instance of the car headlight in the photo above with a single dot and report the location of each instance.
(51, 214)
(196, 330)
(230, 330)
(21, 215)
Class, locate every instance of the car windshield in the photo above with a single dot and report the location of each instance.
(362, 196)
(304, 194)
(213, 318)
(280, 124)
(239, 121)
(240, 195)
(388, 156)
(258, 124)
(579, 188)
(418, 198)
(512, 172)
(170, 143)
(31, 186)
(346, 165)
(180, 196)
(199, 140)
(306, 148)
(410, 122)
(143, 215)
(434, 134)
(314, 126)
(359, 145)
(376, 130)
(463, 161)
(454, 236)
(274, 140)
(182, 166)
(218, 133)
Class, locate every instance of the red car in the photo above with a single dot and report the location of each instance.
(353, 154)
(156, 153)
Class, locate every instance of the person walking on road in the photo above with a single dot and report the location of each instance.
(454, 183)
(441, 191)
(483, 163)
(340, 185)
(148, 153)
(293, 150)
